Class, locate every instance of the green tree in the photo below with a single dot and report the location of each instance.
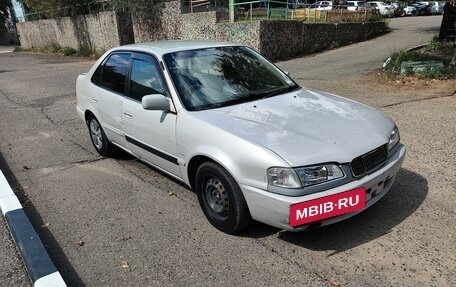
(56, 8)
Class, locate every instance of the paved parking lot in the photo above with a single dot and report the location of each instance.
(114, 222)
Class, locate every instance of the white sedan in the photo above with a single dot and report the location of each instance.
(240, 132)
(382, 7)
(409, 11)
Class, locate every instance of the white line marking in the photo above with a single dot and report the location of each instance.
(8, 200)
(51, 280)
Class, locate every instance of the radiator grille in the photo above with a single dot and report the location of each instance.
(370, 161)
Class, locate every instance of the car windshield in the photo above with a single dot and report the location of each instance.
(221, 76)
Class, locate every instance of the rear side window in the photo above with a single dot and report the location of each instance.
(97, 75)
(114, 72)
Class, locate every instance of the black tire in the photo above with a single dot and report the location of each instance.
(221, 199)
(98, 138)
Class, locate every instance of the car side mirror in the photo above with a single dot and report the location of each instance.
(155, 102)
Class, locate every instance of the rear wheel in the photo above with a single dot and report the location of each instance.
(98, 137)
(221, 199)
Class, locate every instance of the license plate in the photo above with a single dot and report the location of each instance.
(328, 206)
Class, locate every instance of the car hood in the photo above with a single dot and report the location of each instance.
(305, 127)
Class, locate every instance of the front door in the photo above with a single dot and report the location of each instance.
(149, 134)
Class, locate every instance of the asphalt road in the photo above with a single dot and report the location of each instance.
(362, 57)
(113, 222)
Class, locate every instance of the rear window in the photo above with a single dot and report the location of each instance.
(114, 72)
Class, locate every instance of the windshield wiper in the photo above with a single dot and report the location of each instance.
(276, 92)
(249, 97)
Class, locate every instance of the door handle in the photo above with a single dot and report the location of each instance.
(128, 115)
(94, 100)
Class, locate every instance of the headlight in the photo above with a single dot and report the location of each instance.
(394, 138)
(303, 176)
(283, 177)
(311, 175)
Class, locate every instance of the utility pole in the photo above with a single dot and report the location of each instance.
(231, 11)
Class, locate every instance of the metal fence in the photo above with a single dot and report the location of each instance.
(295, 10)
(244, 11)
(283, 9)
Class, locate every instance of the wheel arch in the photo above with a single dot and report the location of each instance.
(194, 163)
(87, 115)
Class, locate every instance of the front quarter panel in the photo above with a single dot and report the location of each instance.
(246, 161)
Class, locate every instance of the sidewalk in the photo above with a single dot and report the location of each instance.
(7, 49)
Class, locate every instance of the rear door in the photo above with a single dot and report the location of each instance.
(108, 94)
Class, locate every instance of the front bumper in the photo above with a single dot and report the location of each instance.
(273, 209)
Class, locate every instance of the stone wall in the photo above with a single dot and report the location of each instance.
(98, 32)
(163, 22)
(197, 27)
(285, 39)
(275, 39)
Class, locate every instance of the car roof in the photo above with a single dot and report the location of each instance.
(170, 46)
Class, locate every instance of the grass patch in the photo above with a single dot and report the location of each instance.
(445, 47)
(68, 51)
(56, 49)
(434, 51)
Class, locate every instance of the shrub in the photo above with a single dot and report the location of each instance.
(53, 48)
(85, 51)
(69, 51)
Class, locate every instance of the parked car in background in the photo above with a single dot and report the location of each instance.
(383, 8)
(322, 5)
(436, 6)
(439, 7)
(357, 5)
(422, 9)
(249, 141)
(408, 11)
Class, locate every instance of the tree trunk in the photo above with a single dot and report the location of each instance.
(447, 26)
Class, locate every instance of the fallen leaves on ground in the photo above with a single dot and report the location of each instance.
(80, 242)
(124, 264)
(170, 193)
(46, 225)
(334, 282)
(126, 237)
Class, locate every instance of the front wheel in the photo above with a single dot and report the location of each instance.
(221, 199)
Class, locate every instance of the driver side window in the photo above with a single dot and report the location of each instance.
(145, 77)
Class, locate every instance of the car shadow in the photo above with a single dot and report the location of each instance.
(53, 248)
(405, 197)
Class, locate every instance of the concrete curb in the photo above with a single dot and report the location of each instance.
(416, 47)
(39, 265)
